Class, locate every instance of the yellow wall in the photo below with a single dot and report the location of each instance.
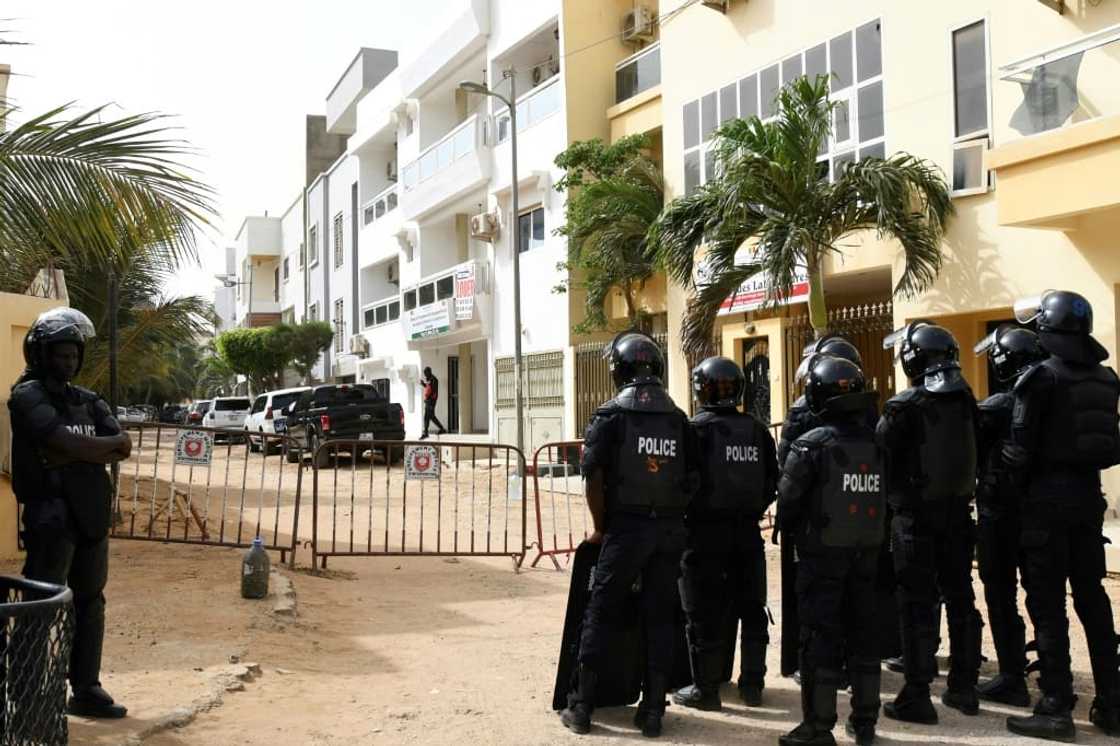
(636, 115)
(17, 312)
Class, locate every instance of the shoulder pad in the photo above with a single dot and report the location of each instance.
(1028, 375)
(704, 418)
(800, 403)
(607, 408)
(818, 437)
(84, 393)
(995, 402)
(32, 390)
(906, 397)
(645, 399)
(948, 381)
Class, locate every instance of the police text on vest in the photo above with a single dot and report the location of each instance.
(742, 453)
(860, 483)
(657, 446)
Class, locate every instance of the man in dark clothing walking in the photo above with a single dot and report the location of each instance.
(431, 396)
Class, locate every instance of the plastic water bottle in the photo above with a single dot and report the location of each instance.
(254, 571)
(513, 488)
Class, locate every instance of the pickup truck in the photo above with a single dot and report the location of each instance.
(339, 412)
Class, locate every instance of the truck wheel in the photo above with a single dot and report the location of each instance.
(293, 454)
(254, 447)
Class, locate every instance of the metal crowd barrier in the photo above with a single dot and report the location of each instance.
(199, 485)
(558, 500)
(418, 498)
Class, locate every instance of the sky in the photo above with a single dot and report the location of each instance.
(237, 77)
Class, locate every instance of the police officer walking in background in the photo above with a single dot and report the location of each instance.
(1012, 352)
(831, 503)
(800, 420)
(930, 433)
(62, 438)
(724, 562)
(639, 467)
(1064, 431)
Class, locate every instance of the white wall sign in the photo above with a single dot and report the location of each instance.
(755, 291)
(421, 462)
(430, 320)
(194, 448)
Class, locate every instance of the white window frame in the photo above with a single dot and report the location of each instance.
(313, 246)
(386, 305)
(339, 324)
(287, 269)
(313, 312)
(338, 246)
(962, 142)
(529, 211)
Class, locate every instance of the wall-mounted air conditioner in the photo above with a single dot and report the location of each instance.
(637, 25)
(359, 345)
(392, 274)
(484, 227)
(391, 171)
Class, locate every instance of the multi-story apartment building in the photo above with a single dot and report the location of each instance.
(404, 239)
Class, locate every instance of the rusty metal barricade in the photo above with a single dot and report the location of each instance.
(418, 498)
(558, 500)
(199, 485)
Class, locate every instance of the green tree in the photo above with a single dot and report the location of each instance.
(616, 194)
(259, 354)
(769, 194)
(309, 340)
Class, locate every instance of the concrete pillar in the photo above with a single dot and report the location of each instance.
(466, 389)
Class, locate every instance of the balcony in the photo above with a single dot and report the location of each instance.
(259, 237)
(637, 73)
(457, 41)
(455, 165)
(449, 307)
(380, 206)
(532, 109)
(1064, 142)
(362, 75)
(380, 313)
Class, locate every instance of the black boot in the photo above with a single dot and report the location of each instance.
(962, 700)
(652, 707)
(964, 665)
(818, 705)
(750, 693)
(699, 698)
(912, 705)
(1051, 721)
(1006, 689)
(707, 670)
(866, 678)
(1105, 713)
(895, 664)
(95, 702)
(576, 717)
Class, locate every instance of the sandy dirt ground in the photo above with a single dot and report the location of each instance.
(399, 651)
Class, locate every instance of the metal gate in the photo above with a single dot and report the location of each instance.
(593, 378)
(756, 370)
(862, 325)
(544, 398)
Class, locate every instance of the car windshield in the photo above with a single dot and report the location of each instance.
(203, 407)
(282, 401)
(231, 405)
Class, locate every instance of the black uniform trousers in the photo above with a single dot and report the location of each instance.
(836, 606)
(635, 547)
(1057, 547)
(724, 569)
(430, 416)
(67, 558)
(933, 549)
(1000, 560)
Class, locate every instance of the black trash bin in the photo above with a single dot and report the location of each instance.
(36, 632)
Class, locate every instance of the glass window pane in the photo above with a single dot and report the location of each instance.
(728, 105)
(768, 82)
(748, 97)
(840, 61)
(427, 294)
(708, 116)
(381, 314)
(878, 150)
(870, 108)
(367, 317)
(410, 300)
(816, 62)
(841, 121)
(524, 232)
(394, 310)
(791, 68)
(691, 171)
(445, 287)
(968, 168)
(822, 169)
(538, 227)
(691, 124)
(709, 166)
(970, 80)
(869, 54)
(840, 162)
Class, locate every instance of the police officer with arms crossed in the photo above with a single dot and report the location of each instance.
(639, 469)
(800, 420)
(1064, 430)
(62, 438)
(1013, 352)
(929, 432)
(831, 503)
(724, 561)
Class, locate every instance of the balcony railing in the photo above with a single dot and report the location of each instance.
(460, 142)
(638, 72)
(532, 108)
(1066, 85)
(379, 206)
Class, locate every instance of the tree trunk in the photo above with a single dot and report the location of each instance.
(818, 310)
(631, 314)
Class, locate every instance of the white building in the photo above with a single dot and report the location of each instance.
(225, 298)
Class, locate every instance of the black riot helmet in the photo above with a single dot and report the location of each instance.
(835, 385)
(52, 327)
(1065, 325)
(835, 345)
(718, 382)
(924, 348)
(634, 358)
(1012, 350)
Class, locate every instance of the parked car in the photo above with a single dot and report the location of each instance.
(172, 414)
(196, 413)
(228, 413)
(340, 412)
(131, 415)
(269, 410)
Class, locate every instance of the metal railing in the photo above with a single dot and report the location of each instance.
(637, 73)
(447, 499)
(456, 144)
(381, 205)
(532, 108)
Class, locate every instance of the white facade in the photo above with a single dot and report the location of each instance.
(225, 298)
(394, 264)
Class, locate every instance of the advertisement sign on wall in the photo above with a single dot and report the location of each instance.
(464, 292)
(430, 320)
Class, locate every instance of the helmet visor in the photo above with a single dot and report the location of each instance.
(802, 373)
(895, 338)
(57, 319)
(1028, 309)
(987, 343)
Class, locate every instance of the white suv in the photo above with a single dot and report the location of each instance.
(269, 409)
(227, 413)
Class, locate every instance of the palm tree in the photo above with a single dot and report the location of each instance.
(770, 194)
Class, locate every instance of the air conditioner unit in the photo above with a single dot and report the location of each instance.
(484, 227)
(720, 5)
(538, 74)
(359, 345)
(392, 273)
(637, 25)
(391, 171)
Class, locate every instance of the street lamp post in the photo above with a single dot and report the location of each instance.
(231, 281)
(511, 104)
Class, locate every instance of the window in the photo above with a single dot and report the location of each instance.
(410, 300)
(381, 386)
(971, 128)
(313, 312)
(337, 240)
(530, 229)
(286, 269)
(445, 288)
(276, 284)
(259, 404)
(427, 294)
(394, 310)
(302, 254)
(381, 314)
(339, 325)
(313, 246)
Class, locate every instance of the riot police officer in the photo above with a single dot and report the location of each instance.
(1013, 352)
(724, 562)
(800, 420)
(831, 501)
(1064, 431)
(62, 438)
(930, 433)
(639, 470)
